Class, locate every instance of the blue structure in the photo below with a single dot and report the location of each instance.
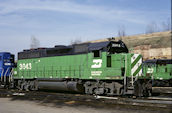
(6, 65)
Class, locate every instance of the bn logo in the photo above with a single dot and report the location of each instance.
(97, 63)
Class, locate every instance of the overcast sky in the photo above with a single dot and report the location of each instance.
(56, 22)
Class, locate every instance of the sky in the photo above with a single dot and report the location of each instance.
(58, 22)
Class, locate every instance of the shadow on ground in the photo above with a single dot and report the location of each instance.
(54, 99)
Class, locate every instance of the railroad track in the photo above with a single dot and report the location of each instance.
(82, 99)
(144, 98)
(150, 101)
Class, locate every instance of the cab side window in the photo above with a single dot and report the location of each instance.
(96, 53)
(109, 61)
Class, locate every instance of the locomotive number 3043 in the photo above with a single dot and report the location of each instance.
(24, 66)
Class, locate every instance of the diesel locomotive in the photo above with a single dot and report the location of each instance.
(102, 68)
(159, 71)
(6, 68)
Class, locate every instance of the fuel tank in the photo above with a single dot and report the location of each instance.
(61, 86)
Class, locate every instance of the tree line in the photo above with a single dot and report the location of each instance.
(150, 28)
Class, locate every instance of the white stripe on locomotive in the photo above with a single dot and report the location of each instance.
(137, 65)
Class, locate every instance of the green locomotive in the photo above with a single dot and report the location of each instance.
(159, 71)
(103, 68)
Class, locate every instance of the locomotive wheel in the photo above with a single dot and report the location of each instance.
(23, 85)
(138, 90)
(142, 88)
(19, 86)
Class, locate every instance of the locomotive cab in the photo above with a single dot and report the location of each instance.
(111, 47)
(117, 69)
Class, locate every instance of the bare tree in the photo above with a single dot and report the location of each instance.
(76, 41)
(166, 26)
(121, 31)
(35, 43)
(151, 28)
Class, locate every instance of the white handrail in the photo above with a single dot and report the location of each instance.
(2, 74)
(5, 74)
(10, 75)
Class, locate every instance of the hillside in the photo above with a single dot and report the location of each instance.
(155, 45)
(156, 40)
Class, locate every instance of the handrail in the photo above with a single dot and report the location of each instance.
(59, 71)
(125, 76)
(11, 75)
(5, 74)
(2, 74)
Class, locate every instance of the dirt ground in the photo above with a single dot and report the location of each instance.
(8, 105)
